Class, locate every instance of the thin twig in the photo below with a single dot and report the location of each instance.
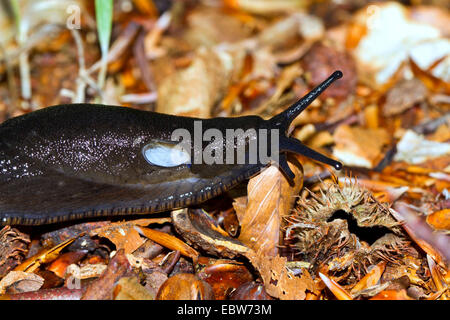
(118, 47)
(80, 96)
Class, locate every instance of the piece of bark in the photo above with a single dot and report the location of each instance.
(103, 287)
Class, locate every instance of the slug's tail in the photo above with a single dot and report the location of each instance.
(284, 119)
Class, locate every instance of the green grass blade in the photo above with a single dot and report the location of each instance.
(104, 16)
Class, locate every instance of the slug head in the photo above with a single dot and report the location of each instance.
(284, 119)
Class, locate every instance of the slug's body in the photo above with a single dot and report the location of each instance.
(73, 161)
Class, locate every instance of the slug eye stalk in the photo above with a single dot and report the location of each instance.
(284, 119)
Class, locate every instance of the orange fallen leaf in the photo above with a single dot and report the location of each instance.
(335, 288)
(60, 265)
(370, 279)
(124, 235)
(169, 241)
(440, 219)
(45, 256)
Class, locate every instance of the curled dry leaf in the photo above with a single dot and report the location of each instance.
(297, 24)
(123, 235)
(194, 90)
(270, 197)
(19, 281)
(359, 147)
(436, 274)
(198, 229)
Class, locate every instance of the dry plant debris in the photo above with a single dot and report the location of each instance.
(377, 230)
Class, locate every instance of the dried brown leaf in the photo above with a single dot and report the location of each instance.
(19, 281)
(194, 90)
(270, 198)
(403, 96)
(123, 235)
(13, 248)
(278, 280)
(334, 287)
(358, 146)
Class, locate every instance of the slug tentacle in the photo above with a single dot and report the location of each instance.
(293, 145)
(285, 118)
(284, 167)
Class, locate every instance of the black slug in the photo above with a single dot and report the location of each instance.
(74, 161)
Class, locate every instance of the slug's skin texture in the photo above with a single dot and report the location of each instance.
(74, 161)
